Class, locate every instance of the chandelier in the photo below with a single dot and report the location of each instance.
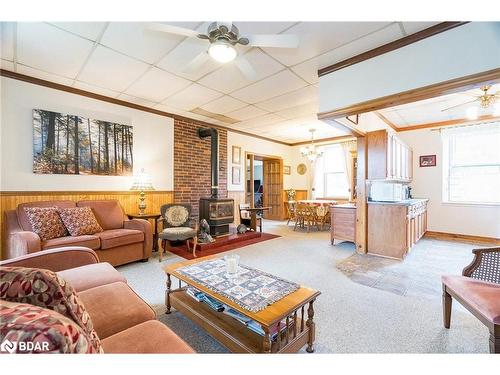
(311, 152)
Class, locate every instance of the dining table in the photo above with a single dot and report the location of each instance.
(318, 202)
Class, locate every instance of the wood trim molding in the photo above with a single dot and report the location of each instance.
(421, 93)
(325, 140)
(442, 124)
(386, 120)
(88, 94)
(87, 192)
(426, 33)
(462, 237)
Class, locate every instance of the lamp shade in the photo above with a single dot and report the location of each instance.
(142, 182)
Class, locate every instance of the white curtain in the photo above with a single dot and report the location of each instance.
(313, 167)
(347, 147)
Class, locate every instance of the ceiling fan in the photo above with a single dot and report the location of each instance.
(223, 38)
(484, 100)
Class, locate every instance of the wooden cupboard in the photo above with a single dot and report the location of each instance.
(388, 157)
(343, 223)
(394, 228)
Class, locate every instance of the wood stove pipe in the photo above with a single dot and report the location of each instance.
(214, 156)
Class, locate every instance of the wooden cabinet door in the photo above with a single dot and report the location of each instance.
(410, 164)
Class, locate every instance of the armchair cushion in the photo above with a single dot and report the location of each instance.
(46, 222)
(79, 221)
(53, 332)
(119, 237)
(89, 241)
(108, 213)
(91, 275)
(178, 233)
(44, 288)
(483, 296)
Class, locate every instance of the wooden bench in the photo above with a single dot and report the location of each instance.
(478, 290)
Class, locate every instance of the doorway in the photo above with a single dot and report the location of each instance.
(264, 184)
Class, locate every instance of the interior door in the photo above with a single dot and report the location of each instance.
(273, 188)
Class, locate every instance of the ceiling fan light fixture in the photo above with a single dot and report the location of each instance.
(222, 51)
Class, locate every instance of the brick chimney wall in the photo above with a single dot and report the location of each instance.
(192, 164)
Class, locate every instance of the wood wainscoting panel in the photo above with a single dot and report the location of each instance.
(9, 200)
(239, 198)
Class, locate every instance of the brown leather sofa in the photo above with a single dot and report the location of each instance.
(122, 240)
(121, 319)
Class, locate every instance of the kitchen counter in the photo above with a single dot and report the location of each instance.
(408, 202)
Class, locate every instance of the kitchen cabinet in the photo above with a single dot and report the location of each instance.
(343, 222)
(393, 228)
(388, 157)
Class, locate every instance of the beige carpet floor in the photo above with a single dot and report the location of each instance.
(384, 308)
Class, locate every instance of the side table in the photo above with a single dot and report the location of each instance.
(151, 216)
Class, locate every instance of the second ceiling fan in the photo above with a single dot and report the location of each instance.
(224, 38)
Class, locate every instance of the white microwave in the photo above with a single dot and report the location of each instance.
(386, 192)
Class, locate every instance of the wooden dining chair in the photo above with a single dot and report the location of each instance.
(322, 216)
(290, 210)
(305, 216)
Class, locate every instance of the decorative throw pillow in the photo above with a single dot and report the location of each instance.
(79, 221)
(46, 289)
(34, 330)
(46, 222)
(176, 215)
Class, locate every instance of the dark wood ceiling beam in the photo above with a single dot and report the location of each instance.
(412, 38)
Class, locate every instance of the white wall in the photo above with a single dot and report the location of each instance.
(153, 140)
(260, 146)
(459, 52)
(427, 183)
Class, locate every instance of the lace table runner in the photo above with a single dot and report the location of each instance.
(251, 289)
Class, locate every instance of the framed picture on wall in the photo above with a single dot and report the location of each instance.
(287, 169)
(428, 160)
(236, 155)
(236, 176)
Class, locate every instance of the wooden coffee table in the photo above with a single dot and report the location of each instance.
(297, 330)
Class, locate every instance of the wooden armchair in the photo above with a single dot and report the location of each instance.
(478, 290)
(178, 226)
(290, 211)
(245, 216)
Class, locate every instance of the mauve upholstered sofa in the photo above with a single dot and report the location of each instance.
(123, 322)
(121, 241)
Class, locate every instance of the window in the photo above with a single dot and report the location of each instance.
(471, 164)
(331, 180)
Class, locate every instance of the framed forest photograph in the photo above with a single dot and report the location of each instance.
(72, 144)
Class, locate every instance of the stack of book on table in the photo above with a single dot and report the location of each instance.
(220, 307)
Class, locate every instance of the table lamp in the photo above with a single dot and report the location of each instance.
(142, 182)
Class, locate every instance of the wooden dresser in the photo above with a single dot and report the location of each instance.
(343, 219)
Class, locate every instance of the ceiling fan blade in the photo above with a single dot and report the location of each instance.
(246, 68)
(196, 63)
(273, 40)
(172, 29)
(459, 105)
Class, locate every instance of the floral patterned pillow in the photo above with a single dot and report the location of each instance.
(46, 222)
(34, 330)
(79, 221)
(46, 289)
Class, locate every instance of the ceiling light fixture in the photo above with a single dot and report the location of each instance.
(222, 51)
(311, 152)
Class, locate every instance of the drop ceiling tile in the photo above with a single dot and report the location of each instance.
(298, 111)
(308, 70)
(136, 40)
(413, 27)
(192, 96)
(198, 117)
(170, 109)
(7, 65)
(50, 49)
(43, 75)
(95, 89)
(275, 85)
(316, 38)
(229, 78)
(112, 70)
(136, 100)
(262, 27)
(246, 113)
(156, 85)
(260, 121)
(292, 99)
(223, 105)
(178, 58)
(380, 37)
(89, 30)
(7, 31)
